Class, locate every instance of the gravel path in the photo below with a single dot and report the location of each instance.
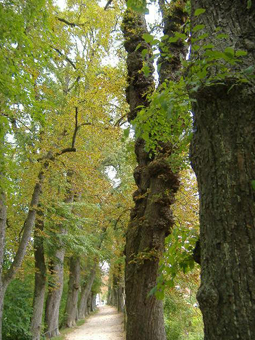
(107, 324)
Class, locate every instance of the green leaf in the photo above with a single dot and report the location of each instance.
(144, 52)
(126, 132)
(241, 53)
(148, 37)
(199, 11)
(207, 47)
(197, 28)
(229, 51)
(138, 6)
(222, 36)
(181, 35)
(249, 4)
(146, 70)
(253, 184)
(203, 36)
(249, 70)
(173, 39)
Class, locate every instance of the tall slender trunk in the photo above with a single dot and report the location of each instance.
(73, 292)
(151, 218)
(55, 290)
(40, 277)
(2, 244)
(121, 298)
(93, 302)
(86, 289)
(109, 295)
(6, 278)
(223, 157)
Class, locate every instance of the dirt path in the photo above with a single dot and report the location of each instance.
(107, 324)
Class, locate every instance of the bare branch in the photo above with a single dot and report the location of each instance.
(108, 4)
(73, 84)
(72, 24)
(76, 127)
(14, 122)
(120, 120)
(65, 151)
(66, 58)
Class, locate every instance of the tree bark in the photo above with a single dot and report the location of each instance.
(40, 277)
(86, 289)
(222, 155)
(2, 245)
(56, 280)
(73, 292)
(27, 229)
(121, 298)
(55, 290)
(151, 218)
(7, 277)
(93, 302)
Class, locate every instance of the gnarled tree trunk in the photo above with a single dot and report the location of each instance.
(223, 157)
(151, 218)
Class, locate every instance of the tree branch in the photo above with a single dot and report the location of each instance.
(76, 127)
(73, 84)
(72, 24)
(108, 4)
(66, 58)
(119, 121)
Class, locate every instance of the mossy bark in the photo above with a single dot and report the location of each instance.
(151, 219)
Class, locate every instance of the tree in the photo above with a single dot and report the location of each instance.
(40, 276)
(222, 155)
(157, 180)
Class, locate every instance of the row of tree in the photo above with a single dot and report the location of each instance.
(62, 105)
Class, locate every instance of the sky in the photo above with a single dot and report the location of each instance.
(151, 17)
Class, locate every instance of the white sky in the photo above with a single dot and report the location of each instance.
(151, 17)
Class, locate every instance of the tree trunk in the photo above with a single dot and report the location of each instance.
(27, 229)
(93, 302)
(89, 303)
(115, 290)
(40, 277)
(223, 157)
(73, 292)
(2, 228)
(2, 295)
(109, 295)
(151, 218)
(121, 299)
(86, 289)
(2, 245)
(6, 278)
(57, 275)
(54, 293)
